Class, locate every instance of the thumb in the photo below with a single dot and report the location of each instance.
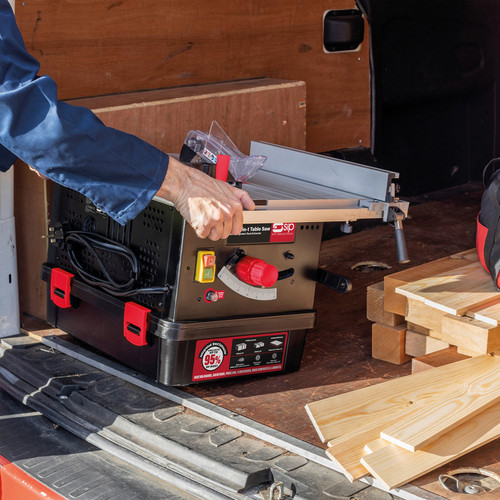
(245, 200)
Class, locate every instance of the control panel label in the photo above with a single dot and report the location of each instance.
(234, 356)
(278, 232)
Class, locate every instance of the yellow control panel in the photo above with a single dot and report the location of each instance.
(205, 266)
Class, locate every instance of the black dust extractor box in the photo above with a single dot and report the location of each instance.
(177, 308)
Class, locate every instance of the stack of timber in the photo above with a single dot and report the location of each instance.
(435, 313)
(401, 429)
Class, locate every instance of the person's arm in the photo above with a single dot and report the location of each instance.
(119, 172)
(213, 208)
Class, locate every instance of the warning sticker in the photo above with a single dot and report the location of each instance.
(279, 232)
(233, 356)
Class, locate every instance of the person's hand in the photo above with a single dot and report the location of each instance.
(213, 208)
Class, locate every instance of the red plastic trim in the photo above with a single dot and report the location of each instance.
(17, 484)
(60, 287)
(135, 323)
(481, 233)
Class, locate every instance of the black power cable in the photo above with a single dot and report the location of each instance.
(93, 242)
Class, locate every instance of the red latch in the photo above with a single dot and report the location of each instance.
(135, 323)
(60, 287)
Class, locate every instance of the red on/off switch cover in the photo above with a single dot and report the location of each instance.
(209, 260)
(256, 272)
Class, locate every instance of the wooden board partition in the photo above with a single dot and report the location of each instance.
(100, 47)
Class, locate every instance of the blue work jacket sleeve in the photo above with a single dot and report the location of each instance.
(119, 172)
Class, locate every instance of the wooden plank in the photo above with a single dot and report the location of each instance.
(348, 450)
(435, 359)
(471, 334)
(454, 292)
(346, 413)
(97, 48)
(274, 111)
(394, 466)
(397, 303)
(375, 445)
(430, 421)
(347, 455)
(388, 343)
(417, 344)
(375, 307)
(424, 316)
(489, 312)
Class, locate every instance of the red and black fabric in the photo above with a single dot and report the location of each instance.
(488, 226)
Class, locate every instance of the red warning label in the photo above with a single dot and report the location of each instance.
(233, 356)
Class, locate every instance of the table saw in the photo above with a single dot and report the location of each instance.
(184, 310)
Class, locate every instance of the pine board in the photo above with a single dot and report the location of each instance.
(489, 313)
(394, 466)
(453, 292)
(396, 303)
(430, 421)
(345, 413)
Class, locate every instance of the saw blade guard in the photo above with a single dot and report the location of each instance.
(207, 146)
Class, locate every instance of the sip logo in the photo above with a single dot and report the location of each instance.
(282, 232)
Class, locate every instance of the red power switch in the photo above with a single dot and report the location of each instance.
(256, 272)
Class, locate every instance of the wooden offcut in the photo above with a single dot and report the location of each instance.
(435, 359)
(470, 334)
(417, 344)
(424, 316)
(375, 310)
(488, 313)
(388, 343)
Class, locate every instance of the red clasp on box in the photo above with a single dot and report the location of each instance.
(60, 287)
(135, 323)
